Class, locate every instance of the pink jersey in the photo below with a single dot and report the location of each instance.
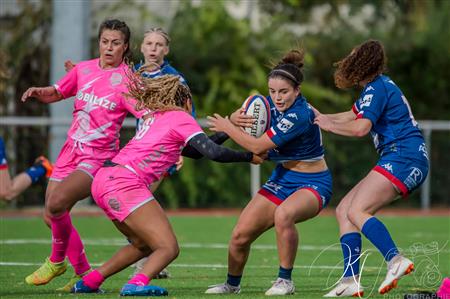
(100, 105)
(158, 144)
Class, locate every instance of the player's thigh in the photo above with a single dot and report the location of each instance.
(73, 188)
(150, 223)
(374, 192)
(299, 206)
(256, 218)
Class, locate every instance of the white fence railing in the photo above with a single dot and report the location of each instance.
(427, 126)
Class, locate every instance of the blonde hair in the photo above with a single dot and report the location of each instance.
(163, 93)
(160, 31)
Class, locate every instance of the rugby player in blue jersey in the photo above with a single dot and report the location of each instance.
(382, 110)
(299, 187)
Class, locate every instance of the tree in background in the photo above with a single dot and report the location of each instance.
(225, 57)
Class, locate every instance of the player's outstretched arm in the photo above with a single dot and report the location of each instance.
(202, 146)
(47, 94)
(258, 146)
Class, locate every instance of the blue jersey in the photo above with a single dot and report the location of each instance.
(294, 133)
(165, 69)
(394, 128)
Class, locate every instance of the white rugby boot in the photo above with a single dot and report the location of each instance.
(140, 265)
(223, 288)
(397, 267)
(281, 286)
(347, 287)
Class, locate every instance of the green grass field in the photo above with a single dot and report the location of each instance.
(25, 242)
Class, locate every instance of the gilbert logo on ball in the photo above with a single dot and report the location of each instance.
(258, 107)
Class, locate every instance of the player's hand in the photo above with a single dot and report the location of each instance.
(324, 122)
(68, 65)
(240, 119)
(316, 112)
(31, 92)
(179, 163)
(218, 123)
(257, 159)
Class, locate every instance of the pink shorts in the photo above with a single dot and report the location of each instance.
(75, 156)
(119, 191)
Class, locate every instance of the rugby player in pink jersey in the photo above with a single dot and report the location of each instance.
(100, 107)
(121, 187)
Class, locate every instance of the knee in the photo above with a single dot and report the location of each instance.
(283, 219)
(353, 215)
(56, 203)
(139, 244)
(341, 214)
(239, 238)
(173, 251)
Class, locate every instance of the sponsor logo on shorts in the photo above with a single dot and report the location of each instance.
(414, 178)
(115, 79)
(423, 149)
(85, 165)
(114, 204)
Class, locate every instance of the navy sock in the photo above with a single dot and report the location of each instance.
(351, 249)
(377, 233)
(36, 172)
(234, 280)
(3, 161)
(285, 273)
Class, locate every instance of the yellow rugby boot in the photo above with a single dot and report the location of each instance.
(46, 272)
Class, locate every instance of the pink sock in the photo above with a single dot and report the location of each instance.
(61, 229)
(139, 280)
(93, 279)
(76, 253)
(444, 290)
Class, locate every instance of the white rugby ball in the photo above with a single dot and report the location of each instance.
(258, 107)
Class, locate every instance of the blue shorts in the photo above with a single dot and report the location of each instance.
(283, 183)
(406, 172)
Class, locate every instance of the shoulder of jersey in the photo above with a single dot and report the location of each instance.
(258, 107)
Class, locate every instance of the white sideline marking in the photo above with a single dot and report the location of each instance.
(323, 267)
(121, 242)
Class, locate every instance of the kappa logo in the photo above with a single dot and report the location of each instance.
(115, 79)
(292, 115)
(114, 204)
(273, 186)
(388, 166)
(369, 88)
(366, 101)
(284, 125)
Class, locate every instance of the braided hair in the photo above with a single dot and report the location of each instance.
(163, 93)
(290, 67)
(364, 63)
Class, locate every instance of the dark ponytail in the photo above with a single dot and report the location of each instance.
(290, 67)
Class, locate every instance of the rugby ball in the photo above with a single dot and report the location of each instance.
(258, 107)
